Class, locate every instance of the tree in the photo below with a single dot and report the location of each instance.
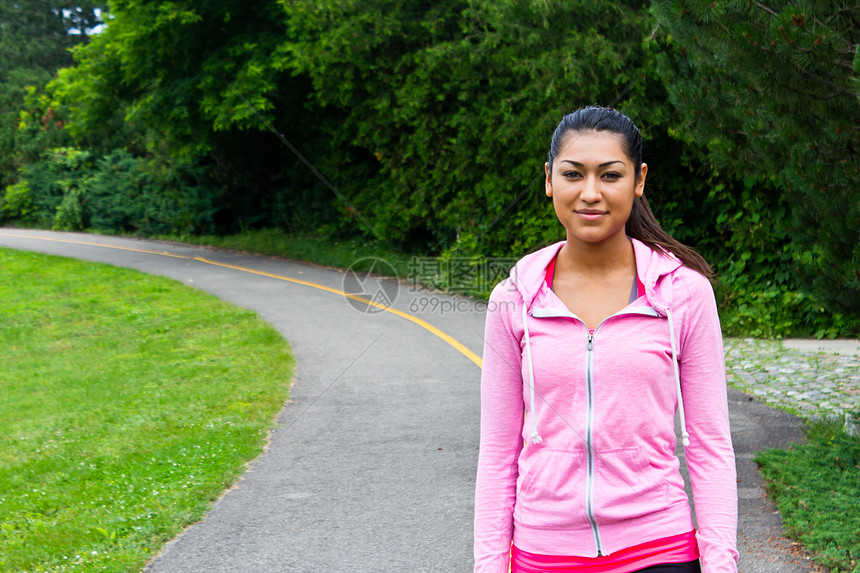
(184, 84)
(39, 33)
(35, 38)
(771, 89)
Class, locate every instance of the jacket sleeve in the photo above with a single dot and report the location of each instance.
(501, 433)
(710, 456)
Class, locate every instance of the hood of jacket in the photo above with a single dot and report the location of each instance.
(652, 266)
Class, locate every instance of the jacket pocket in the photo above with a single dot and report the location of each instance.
(551, 494)
(627, 486)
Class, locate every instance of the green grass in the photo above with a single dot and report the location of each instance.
(129, 403)
(816, 487)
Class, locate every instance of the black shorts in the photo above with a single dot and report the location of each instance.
(689, 567)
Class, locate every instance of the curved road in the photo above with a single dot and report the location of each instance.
(371, 468)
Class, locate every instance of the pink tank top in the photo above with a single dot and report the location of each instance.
(675, 549)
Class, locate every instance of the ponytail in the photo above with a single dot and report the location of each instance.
(643, 226)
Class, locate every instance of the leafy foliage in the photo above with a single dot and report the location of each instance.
(55, 185)
(185, 84)
(771, 89)
(38, 33)
(456, 101)
(130, 194)
(35, 41)
(18, 201)
(67, 190)
(760, 292)
(165, 64)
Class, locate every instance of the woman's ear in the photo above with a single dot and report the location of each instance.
(640, 181)
(548, 182)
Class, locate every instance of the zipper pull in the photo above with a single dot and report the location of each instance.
(590, 340)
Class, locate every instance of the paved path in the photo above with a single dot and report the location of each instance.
(372, 466)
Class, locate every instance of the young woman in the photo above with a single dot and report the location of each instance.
(592, 345)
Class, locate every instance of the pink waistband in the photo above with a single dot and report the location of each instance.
(676, 549)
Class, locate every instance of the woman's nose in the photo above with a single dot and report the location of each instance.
(590, 192)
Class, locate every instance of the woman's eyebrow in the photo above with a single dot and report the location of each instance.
(578, 164)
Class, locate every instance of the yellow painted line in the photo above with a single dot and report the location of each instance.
(423, 324)
(162, 253)
(414, 319)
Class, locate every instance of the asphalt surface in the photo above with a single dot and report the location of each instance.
(372, 466)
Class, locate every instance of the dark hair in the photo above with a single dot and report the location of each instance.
(642, 224)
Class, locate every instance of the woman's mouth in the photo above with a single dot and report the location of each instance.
(590, 214)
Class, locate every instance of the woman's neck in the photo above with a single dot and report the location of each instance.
(590, 260)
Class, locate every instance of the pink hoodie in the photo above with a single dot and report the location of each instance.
(590, 468)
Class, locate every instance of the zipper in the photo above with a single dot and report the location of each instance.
(589, 434)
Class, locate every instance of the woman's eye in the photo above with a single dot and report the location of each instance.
(612, 176)
(570, 174)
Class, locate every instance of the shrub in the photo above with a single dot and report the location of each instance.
(60, 172)
(134, 194)
(70, 213)
(17, 202)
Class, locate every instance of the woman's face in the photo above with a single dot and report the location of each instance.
(592, 184)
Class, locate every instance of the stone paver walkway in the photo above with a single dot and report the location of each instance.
(809, 384)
